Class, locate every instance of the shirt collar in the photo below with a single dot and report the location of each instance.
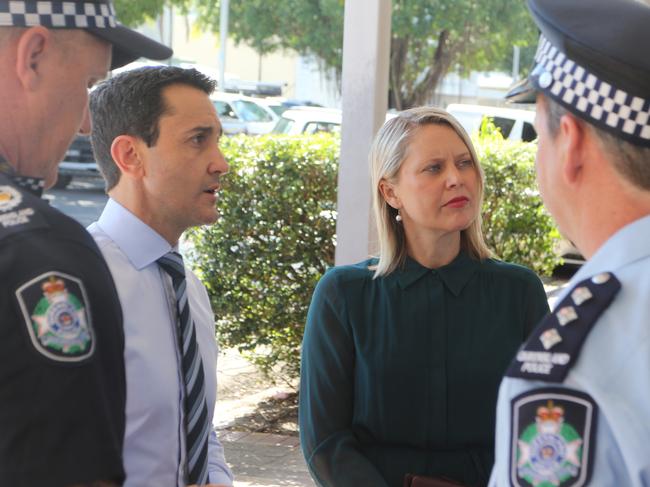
(454, 275)
(30, 184)
(627, 245)
(140, 243)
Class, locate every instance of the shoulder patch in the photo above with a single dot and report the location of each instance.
(55, 310)
(16, 214)
(552, 438)
(555, 343)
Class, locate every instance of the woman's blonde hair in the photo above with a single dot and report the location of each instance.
(387, 153)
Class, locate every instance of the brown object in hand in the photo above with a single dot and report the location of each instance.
(411, 480)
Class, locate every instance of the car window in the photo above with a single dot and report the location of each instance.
(283, 126)
(314, 127)
(250, 112)
(278, 109)
(528, 134)
(504, 125)
(224, 110)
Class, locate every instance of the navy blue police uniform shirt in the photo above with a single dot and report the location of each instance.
(62, 382)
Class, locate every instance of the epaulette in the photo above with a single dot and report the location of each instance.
(555, 343)
(17, 213)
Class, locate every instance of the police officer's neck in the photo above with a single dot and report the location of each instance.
(609, 205)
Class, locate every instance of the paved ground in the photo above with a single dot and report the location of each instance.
(265, 460)
(84, 200)
(257, 459)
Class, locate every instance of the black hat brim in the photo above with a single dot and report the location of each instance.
(522, 92)
(129, 45)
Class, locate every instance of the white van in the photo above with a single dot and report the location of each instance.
(514, 124)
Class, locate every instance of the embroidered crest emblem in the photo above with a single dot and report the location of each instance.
(55, 309)
(552, 436)
(10, 198)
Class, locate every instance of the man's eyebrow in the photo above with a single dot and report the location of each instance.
(207, 130)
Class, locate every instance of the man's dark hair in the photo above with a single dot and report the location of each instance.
(131, 103)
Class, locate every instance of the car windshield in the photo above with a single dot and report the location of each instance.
(315, 127)
(278, 109)
(250, 112)
(224, 110)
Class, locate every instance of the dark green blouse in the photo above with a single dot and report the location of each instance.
(400, 374)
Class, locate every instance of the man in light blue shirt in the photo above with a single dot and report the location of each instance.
(156, 139)
(574, 407)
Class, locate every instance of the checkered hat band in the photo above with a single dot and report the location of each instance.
(572, 84)
(53, 14)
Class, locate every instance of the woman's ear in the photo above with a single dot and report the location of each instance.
(387, 190)
(32, 48)
(125, 154)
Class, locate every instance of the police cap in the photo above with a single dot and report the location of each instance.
(95, 16)
(593, 60)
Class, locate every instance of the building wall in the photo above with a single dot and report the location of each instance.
(193, 45)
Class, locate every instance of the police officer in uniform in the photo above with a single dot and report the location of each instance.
(62, 390)
(574, 407)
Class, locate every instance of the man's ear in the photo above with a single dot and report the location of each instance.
(573, 148)
(125, 154)
(32, 48)
(387, 190)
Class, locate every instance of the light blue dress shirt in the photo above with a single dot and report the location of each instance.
(613, 368)
(154, 449)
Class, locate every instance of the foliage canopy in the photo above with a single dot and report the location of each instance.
(429, 37)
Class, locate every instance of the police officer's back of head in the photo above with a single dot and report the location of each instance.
(51, 52)
(591, 80)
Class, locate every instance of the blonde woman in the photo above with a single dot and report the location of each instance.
(403, 354)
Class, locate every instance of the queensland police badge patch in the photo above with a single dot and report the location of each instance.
(552, 438)
(9, 198)
(55, 309)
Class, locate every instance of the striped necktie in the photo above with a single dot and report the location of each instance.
(197, 424)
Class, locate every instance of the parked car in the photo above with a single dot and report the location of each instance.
(308, 120)
(79, 161)
(239, 113)
(280, 105)
(514, 124)
(311, 119)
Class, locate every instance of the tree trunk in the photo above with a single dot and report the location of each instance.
(398, 54)
(442, 58)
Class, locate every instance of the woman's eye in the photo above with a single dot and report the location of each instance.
(434, 168)
(465, 163)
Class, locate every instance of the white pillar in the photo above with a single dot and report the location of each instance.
(223, 33)
(366, 50)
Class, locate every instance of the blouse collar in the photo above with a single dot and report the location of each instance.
(454, 275)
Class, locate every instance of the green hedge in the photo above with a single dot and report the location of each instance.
(516, 225)
(275, 237)
(263, 258)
